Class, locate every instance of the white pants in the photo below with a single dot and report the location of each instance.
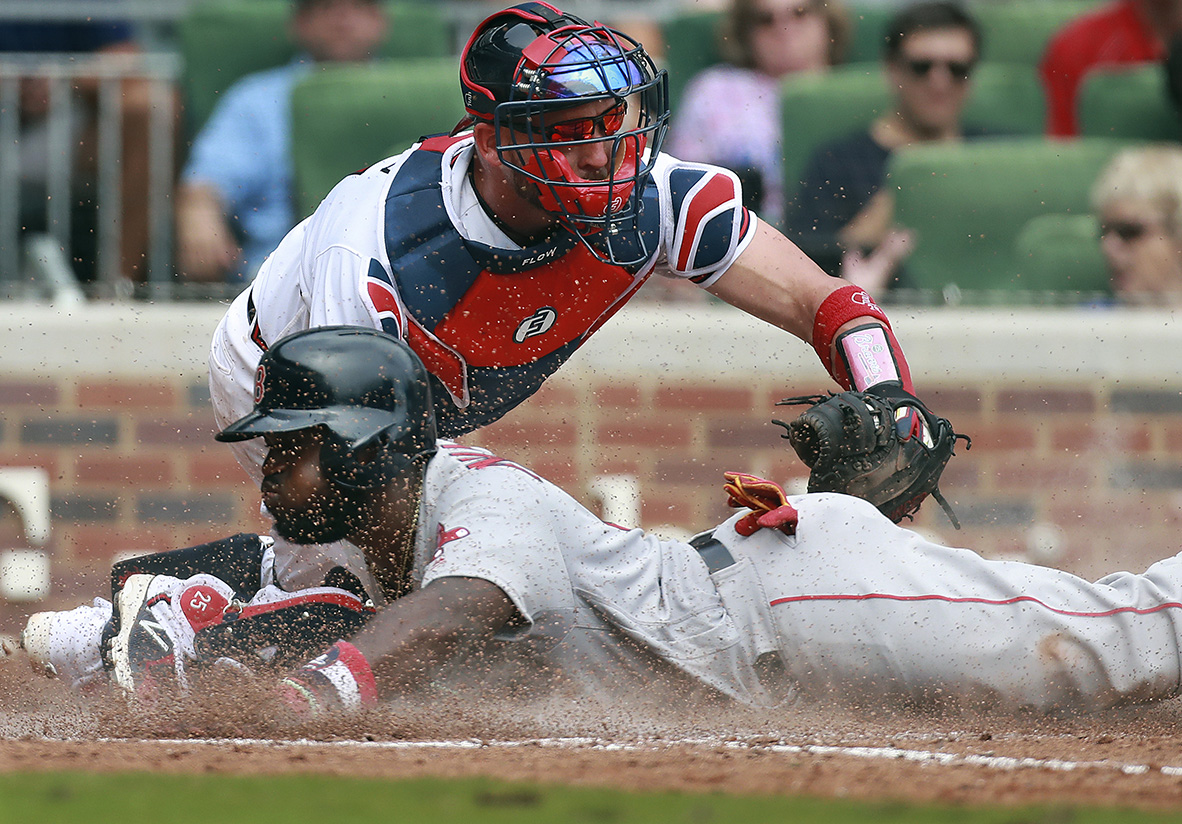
(233, 360)
(867, 610)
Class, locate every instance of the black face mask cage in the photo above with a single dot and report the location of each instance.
(588, 65)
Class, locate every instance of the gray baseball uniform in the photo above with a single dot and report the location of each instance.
(850, 605)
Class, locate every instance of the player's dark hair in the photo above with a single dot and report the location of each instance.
(736, 31)
(927, 17)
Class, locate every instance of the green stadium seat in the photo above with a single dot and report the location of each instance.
(345, 118)
(816, 109)
(1017, 31)
(1060, 253)
(1129, 103)
(1007, 97)
(691, 45)
(869, 31)
(967, 203)
(221, 40)
(820, 108)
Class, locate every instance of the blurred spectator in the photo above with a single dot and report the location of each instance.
(930, 52)
(730, 113)
(235, 201)
(1121, 32)
(1137, 199)
(73, 37)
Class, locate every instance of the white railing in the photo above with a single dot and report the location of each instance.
(25, 269)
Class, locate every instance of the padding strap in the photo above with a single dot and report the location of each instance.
(839, 308)
(869, 356)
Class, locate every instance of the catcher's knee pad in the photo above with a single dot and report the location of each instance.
(236, 560)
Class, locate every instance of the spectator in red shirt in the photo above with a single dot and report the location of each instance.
(1121, 32)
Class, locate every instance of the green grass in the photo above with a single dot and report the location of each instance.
(127, 798)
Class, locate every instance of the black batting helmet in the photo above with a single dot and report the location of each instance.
(362, 386)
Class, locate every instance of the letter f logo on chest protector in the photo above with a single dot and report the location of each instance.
(538, 323)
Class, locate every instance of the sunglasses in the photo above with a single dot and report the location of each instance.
(1127, 232)
(960, 70)
(763, 19)
(585, 128)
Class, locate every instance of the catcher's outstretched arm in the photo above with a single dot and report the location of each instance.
(775, 281)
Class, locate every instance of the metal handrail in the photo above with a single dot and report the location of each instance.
(63, 72)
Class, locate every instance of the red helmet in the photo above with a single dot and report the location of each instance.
(524, 69)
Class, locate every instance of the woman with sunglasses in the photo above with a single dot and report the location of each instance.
(841, 218)
(730, 114)
(1137, 199)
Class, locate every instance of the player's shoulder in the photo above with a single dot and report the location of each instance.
(479, 477)
(703, 185)
(456, 458)
(707, 223)
(364, 186)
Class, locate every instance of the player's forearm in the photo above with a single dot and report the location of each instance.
(774, 281)
(409, 640)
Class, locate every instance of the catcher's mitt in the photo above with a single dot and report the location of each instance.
(888, 450)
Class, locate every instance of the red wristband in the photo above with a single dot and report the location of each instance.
(340, 679)
(840, 307)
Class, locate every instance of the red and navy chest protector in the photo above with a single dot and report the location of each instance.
(490, 324)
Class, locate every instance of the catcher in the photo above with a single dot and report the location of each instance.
(496, 582)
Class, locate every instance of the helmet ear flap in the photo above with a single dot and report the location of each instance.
(344, 466)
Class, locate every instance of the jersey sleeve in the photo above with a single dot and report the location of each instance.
(351, 289)
(704, 223)
(349, 282)
(495, 521)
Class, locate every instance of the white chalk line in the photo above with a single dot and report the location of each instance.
(945, 759)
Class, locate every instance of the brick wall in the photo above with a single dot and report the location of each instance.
(1076, 419)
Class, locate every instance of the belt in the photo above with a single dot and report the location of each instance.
(712, 551)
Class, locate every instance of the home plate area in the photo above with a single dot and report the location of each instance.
(1131, 757)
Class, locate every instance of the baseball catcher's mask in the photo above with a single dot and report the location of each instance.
(361, 386)
(548, 81)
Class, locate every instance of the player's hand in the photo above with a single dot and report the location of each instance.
(206, 248)
(340, 680)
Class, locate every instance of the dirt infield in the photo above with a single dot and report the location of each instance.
(1127, 758)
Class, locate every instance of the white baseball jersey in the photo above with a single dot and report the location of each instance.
(851, 604)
